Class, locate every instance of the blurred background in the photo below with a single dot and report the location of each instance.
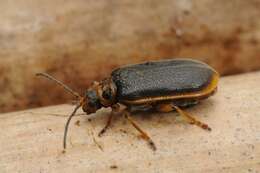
(81, 41)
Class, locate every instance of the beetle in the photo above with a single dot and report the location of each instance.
(164, 85)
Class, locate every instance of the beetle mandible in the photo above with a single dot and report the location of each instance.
(165, 85)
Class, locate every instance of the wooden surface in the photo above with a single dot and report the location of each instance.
(79, 41)
(31, 140)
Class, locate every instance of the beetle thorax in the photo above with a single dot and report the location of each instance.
(100, 94)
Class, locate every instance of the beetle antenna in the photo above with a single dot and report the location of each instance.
(67, 88)
(67, 125)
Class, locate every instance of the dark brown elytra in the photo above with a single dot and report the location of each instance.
(162, 85)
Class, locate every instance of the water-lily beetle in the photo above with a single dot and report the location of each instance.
(161, 85)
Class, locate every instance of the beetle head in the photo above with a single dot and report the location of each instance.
(91, 102)
(100, 94)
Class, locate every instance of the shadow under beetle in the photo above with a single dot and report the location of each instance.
(164, 85)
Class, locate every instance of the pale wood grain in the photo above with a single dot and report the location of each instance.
(31, 140)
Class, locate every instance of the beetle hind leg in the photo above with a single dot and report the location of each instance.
(143, 133)
(191, 119)
(170, 107)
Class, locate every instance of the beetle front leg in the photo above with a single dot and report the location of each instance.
(143, 133)
(115, 108)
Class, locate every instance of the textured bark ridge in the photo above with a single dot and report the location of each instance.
(81, 41)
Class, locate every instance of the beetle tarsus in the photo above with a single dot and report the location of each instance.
(152, 145)
(102, 132)
(206, 127)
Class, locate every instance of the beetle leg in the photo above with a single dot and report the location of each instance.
(107, 125)
(143, 133)
(191, 119)
(115, 108)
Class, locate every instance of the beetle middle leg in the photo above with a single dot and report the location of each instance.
(143, 133)
(115, 108)
(167, 107)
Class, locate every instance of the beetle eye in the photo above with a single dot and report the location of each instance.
(107, 94)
